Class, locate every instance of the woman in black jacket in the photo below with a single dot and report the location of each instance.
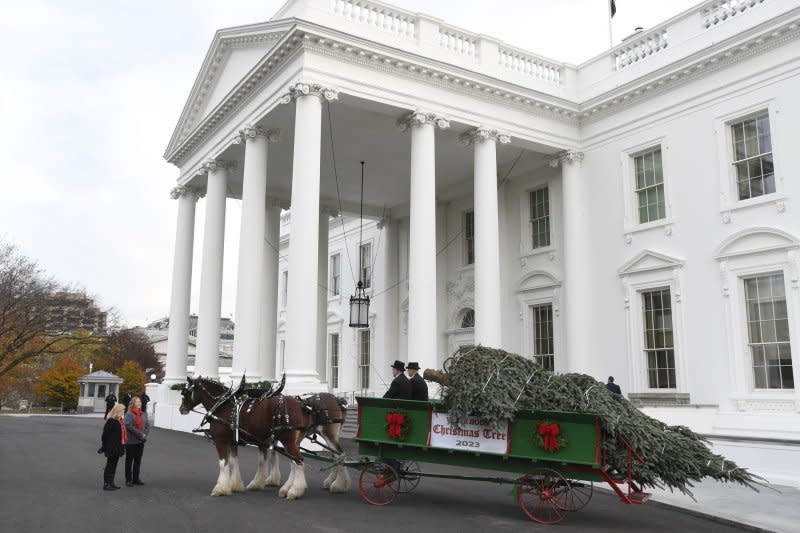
(113, 444)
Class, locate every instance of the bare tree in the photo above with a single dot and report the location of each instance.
(25, 297)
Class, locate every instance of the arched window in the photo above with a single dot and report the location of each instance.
(468, 319)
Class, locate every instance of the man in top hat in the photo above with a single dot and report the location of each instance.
(401, 386)
(419, 389)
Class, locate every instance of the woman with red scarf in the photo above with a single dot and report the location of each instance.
(138, 429)
(113, 444)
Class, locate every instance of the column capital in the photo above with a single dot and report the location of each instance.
(185, 190)
(213, 165)
(252, 132)
(567, 156)
(418, 118)
(481, 134)
(304, 88)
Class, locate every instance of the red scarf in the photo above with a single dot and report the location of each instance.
(124, 432)
(138, 413)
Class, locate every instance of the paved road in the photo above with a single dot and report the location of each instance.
(51, 478)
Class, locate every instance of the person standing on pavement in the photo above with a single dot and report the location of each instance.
(111, 401)
(126, 400)
(419, 389)
(400, 387)
(112, 444)
(145, 400)
(138, 429)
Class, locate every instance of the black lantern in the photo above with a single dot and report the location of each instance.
(359, 308)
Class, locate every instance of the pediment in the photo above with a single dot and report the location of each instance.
(647, 261)
(232, 55)
(537, 280)
(755, 240)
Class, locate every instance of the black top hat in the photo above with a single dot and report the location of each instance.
(399, 365)
(413, 365)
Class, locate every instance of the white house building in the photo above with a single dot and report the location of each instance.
(634, 215)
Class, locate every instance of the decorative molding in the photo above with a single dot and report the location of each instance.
(212, 165)
(648, 261)
(185, 190)
(780, 206)
(304, 88)
(252, 132)
(726, 217)
(724, 276)
(419, 118)
(755, 240)
(481, 134)
(568, 157)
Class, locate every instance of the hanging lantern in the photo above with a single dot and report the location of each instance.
(359, 308)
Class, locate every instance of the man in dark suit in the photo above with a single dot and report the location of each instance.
(419, 389)
(401, 386)
(613, 387)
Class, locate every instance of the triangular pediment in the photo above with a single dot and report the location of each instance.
(647, 261)
(232, 55)
(755, 240)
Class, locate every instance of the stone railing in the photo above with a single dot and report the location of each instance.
(720, 11)
(531, 65)
(458, 42)
(639, 49)
(376, 15)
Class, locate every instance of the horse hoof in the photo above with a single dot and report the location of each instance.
(282, 492)
(219, 491)
(238, 488)
(294, 494)
(255, 486)
(338, 488)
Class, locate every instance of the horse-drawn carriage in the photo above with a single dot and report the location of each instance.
(554, 457)
(557, 456)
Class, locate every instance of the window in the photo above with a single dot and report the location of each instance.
(649, 174)
(334, 340)
(91, 390)
(363, 359)
(752, 156)
(101, 391)
(285, 294)
(365, 264)
(543, 346)
(768, 332)
(468, 320)
(658, 340)
(469, 237)
(336, 274)
(540, 218)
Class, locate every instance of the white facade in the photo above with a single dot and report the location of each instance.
(644, 257)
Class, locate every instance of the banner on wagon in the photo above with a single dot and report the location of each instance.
(470, 436)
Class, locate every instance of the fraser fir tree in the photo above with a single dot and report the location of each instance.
(494, 385)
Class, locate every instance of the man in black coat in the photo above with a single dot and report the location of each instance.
(613, 387)
(401, 386)
(126, 400)
(419, 389)
(111, 400)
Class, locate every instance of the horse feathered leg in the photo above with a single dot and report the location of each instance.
(299, 484)
(284, 490)
(339, 478)
(237, 485)
(260, 479)
(342, 481)
(223, 486)
(274, 469)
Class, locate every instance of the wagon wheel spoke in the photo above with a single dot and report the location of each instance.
(409, 476)
(543, 495)
(378, 483)
(579, 495)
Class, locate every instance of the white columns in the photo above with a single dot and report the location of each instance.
(178, 340)
(422, 237)
(487, 239)
(207, 358)
(322, 297)
(251, 253)
(302, 306)
(577, 286)
(387, 301)
(269, 292)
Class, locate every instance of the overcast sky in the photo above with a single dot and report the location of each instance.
(91, 91)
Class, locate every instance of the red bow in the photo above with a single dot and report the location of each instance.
(395, 423)
(549, 432)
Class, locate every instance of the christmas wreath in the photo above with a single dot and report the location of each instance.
(548, 436)
(397, 426)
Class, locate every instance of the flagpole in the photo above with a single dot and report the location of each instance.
(610, 30)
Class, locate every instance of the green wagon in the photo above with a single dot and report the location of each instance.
(555, 457)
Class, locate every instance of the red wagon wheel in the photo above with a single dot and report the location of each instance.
(579, 494)
(378, 483)
(409, 476)
(543, 495)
